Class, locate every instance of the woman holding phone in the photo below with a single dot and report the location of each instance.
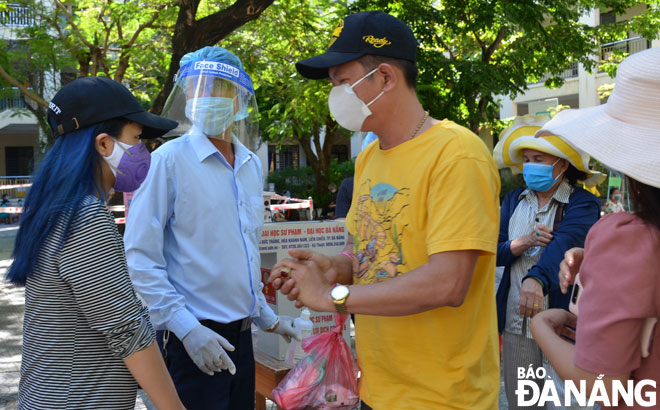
(538, 223)
(619, 264)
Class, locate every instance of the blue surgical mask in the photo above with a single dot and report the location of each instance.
(538, 177)
(213, 115)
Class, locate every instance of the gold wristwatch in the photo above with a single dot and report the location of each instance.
(339, 294)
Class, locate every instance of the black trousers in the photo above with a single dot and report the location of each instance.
(222, 391)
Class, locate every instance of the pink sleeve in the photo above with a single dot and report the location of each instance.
(619, 279)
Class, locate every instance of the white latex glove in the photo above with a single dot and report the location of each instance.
(206, 348)
(286, 330)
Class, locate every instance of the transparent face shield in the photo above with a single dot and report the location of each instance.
(215, 99)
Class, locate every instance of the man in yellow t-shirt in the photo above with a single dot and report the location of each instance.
(418, 269)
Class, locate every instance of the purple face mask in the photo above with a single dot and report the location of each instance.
(130, 164)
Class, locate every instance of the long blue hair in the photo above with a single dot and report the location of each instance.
(69, 172)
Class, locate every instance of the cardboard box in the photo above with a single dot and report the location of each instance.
(326, 237)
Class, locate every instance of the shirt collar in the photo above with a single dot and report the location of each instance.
(200, 143)
(204, 148)
(562, 194)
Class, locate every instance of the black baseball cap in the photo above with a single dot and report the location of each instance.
(367, 32)
(91, 100)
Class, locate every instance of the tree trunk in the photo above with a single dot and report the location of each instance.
(320, 161)
(191, 34)
(121, 68)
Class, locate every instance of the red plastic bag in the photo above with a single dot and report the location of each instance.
(324, 379)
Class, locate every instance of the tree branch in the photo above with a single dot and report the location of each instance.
(309, 154)
(41, 116)
(120, 31)
(496, 44)
(217, 26)
(481, 43)
(137, 32)
(69, 17)
(11, 80)
(57, 27)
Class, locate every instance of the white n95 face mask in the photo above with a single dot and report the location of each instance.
(350, 111)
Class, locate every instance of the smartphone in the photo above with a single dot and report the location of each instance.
(575, 296)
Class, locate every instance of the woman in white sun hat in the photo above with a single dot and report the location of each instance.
(619, 266)
(538, 224)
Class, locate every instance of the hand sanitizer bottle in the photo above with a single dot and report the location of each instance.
(305, 327)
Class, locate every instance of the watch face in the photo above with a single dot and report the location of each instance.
(339, 292)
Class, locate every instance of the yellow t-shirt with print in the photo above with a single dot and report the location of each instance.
(435, 193)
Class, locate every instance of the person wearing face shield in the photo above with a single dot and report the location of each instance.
(87, 338)
(418, 269)
(195, 260)
(614, 202)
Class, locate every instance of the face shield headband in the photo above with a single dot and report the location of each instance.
(216, 69)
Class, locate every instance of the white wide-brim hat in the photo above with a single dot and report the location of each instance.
(624, 133)
(520, 135)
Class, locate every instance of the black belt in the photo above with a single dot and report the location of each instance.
(242, 324)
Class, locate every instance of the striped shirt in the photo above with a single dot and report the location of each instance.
(82, 317)
(523, 221)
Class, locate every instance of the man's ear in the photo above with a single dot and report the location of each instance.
(390, 76)
(104, 144)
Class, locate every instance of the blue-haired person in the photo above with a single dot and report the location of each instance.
(87, 338)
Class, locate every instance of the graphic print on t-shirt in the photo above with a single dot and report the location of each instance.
(377, 245)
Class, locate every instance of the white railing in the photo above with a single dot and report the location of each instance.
(15, 186)
(10, 98)
(628, 46)
(17, 15)
(570, 72)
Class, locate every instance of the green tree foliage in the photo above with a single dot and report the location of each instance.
(471, 51)
(293, 109)
(131, 41)
(120, 40)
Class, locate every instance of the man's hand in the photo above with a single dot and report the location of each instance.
(280, 273)
(570, 267)
(309, 279)
(206, 348)
(285, 329)
(531, 298)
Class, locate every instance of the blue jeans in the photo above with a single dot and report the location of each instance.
(222, 391)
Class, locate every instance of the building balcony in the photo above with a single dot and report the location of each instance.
(17, 15)
(628, 46)
(570, 72)
(10, 98)
(14, 117)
